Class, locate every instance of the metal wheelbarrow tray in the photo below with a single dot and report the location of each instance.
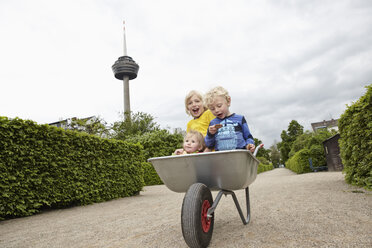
(198, 174)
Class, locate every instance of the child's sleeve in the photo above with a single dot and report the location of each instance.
(210, 138)
(246, 133)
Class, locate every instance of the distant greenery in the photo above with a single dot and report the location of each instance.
(288, 137)
(275, 155)
(298, 146)
(355, 127)
(308, 145)
(94, 125)
(138, 124)
(264, 165)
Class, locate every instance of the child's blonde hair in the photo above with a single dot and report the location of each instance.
(188, 97)
(199, 137)
(217, 91)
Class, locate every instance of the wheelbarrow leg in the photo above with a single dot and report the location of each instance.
(228, 192)
(245, 220)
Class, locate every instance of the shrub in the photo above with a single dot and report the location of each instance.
(150, 176)
(157, 143)
(313, 143)
(264, 165)
(355, 126)
(299, 162)
(42, 166)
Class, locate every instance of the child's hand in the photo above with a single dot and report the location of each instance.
(207, 150)
(178, 152)
(250, 147)
(213, 129)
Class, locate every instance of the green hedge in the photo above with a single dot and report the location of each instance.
(264, 165)
(355, 126)
(44, 166)
(299, 162)
(311, 145)
(156, 144)
(150, 175)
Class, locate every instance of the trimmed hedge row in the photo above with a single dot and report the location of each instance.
(299, 162)
(44, 166)
(264, 165)
(156, 144)
(150, 175)
(355, 126)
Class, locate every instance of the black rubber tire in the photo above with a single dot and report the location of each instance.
(191, 216)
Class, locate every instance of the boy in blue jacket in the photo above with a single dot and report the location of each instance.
(227, 131)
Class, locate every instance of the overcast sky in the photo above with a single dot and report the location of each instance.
(280, 60)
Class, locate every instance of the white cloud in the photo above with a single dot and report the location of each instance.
(280, 60)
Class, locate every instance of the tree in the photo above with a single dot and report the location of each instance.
(288, 137)
(94, 125)
(275, 155)
(295, 129)
(300, 142)
(138, 124)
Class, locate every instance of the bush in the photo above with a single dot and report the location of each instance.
(299, 162)
(300, 143)
(43, 166)
(156, 144)
(264, 165)
(355, 126)
(150, 176)
(311, 144)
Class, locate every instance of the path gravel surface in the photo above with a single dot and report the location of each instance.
(288, 210)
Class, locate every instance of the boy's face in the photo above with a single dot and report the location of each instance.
(195, 106)
(220, 107)
(191, 144)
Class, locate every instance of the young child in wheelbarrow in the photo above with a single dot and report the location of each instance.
(193, 142)
(202, 116)
(228, 131)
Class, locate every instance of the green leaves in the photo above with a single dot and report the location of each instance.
(264, 165)
(156, 144)
(355, 126)
(43, 166)
(308, 145)
(288, 137)
(299, 162)
(139, 123)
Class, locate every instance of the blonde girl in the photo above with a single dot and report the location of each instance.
(202, 116)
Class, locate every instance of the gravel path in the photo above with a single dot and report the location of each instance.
(288, 210)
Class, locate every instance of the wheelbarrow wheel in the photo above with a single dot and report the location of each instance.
(197, 228)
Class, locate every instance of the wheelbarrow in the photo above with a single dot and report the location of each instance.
(198, 175)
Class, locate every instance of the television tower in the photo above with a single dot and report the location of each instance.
(125, 68)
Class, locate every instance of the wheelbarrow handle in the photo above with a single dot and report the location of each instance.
(257, 148)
